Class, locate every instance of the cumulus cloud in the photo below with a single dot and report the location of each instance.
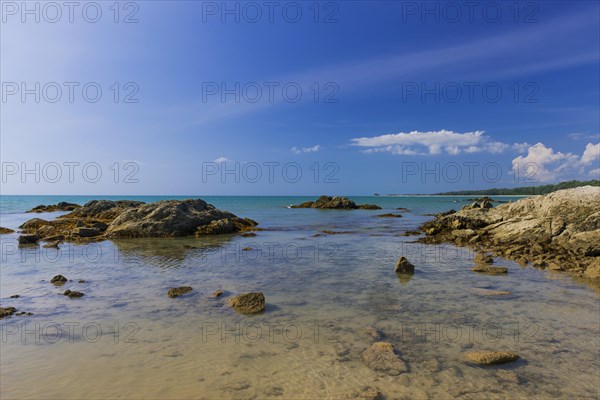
(300, 150)
(221, 159)
(591, 155)
(546, 165)
(435, 142)
(595, 173)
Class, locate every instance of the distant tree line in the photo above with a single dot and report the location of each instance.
(526, 190)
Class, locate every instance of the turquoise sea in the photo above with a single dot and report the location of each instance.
(126, 339)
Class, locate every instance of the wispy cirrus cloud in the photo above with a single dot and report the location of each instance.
(435, 142)
(300, 150)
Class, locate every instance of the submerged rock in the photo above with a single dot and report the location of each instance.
(367, 393)
(217, 293)
(490, 292)
(487, 269)
(336, 202)
(178, 291)
(381, 357)
(490, 357)
(403, 266)
(389, 215)
(248, 303)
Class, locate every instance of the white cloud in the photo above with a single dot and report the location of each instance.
(591, 154)
(545, 165)
(595, 173)
(221, 159)
(583, 136)
(435, 142)
(298, 150)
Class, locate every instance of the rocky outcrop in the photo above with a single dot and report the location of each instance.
(337, 203)
(248, 303)
(490, 357)
(4, 231)
(560, 230)
(62, 206)
(178, 291)
(101, 219)
(381, 357)
(171, 218)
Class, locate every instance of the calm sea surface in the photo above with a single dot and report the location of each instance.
(126, 339)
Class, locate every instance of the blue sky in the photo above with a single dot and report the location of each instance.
(410, 99)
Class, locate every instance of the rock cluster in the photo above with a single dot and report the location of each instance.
(101, 219)
(337, 202)
(560, 230)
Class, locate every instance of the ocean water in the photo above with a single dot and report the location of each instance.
(126, 339)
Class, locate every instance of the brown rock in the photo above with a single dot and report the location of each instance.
(403, 266)
(7, 311)
(58, 279)
(487, 269)
(178, 291)
(72, 294)
(381, 357)
(490, 357)
(483, 258)
(248, 303)
(4, 231)
(217, 293)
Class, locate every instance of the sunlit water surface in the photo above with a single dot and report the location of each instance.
(126, 339)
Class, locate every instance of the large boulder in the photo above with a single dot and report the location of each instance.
(169, 218)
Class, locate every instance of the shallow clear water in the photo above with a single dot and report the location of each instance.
(126, 339)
